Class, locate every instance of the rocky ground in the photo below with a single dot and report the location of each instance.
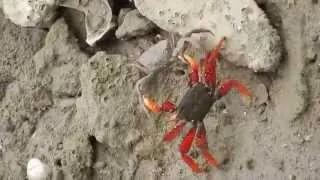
(78, 107)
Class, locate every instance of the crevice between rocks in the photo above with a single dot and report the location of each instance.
(119, 4)
(272, 12)
(94, 144)
(75, 21)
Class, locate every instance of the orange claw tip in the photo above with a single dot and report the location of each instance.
(192, 62)
(151, 104)
(244, 91)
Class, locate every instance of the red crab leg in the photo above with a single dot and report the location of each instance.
(167, 106)
(210, 64)
(173, 133)
(226, 86)
(202, 144)
(194, 65)
(184, 149)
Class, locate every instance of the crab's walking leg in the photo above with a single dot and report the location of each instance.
(167, 106)
(202, 144)
(210, 64)
(226, 86)
(194, 65)
(184, 149)
(173, 133)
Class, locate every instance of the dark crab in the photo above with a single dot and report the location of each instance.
(195, 104)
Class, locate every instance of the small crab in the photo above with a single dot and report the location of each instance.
(195, 104)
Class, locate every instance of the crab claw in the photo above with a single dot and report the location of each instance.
(210, 64)
(226, 86)
(194, 65)
(151, 104)
(167, 106)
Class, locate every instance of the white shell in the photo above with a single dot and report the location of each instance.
(30, 13)
(36, 170)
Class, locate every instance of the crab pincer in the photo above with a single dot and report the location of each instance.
(194, 66)
(167, 106)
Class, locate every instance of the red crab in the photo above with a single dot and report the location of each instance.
(195, 104)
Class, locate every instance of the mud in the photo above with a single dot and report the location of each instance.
(79, 109)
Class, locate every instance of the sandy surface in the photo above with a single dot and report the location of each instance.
(77, 108)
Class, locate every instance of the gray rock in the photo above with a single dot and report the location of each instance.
(146, 170)
(123, 12)
(261, 94)
(57, 174)
(156, 55)
(134, 24)
(108, 103)
(98, 18)
(60, 61)
(251, 40)
(311, 55)
(65, 82)
(30, 13)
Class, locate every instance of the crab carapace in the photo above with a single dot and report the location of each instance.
(195, 105)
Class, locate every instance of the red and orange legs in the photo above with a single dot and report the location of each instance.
(194, 69)
(167, 106)
(199, 134)
(210, 64)
(202, 144)
(184, 149)
(226, 86)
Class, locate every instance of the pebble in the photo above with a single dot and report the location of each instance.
(264, 118)
(100, 165)
(262, 108)
(261, 93)
(315, 37)
(134, 24)
(57, 174)
(292, 177)
(284, 145)
(221, 106)
(307, 138)
(250, 164)
(311, 55)
(291, 3)
(225, 111)
(132, 138)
